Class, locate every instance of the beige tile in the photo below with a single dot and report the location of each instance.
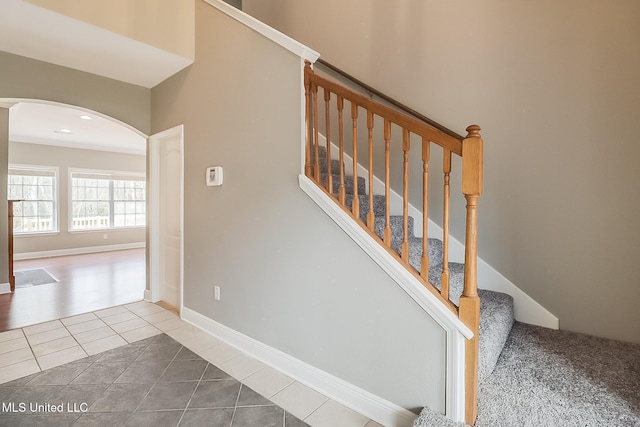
(140, 333)
(42, 327)
(103, 344)
(93, 335)
(11, 335)
(16, 344)
(85, 326)
(160, 316)
(18, 370)
(298, 399)
(119, 318)
(332, 414)
(169, 325)
(242, 366)
(50, 335)
(61, 357)
(68, 321)
(53, 346)
(186, 333)
(201, 343)
(219, 354)
(129, 325)
(144, 308)
(267, 381)
(110, 311)
(15, 356)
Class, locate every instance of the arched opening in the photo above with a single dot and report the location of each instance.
(82, 178)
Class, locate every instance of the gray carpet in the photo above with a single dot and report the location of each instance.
(35, 277)
(547, 378)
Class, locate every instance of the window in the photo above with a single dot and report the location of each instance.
(107, 200)
(36, 187)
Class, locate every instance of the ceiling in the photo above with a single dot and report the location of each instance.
(54, 124)
(38, 33)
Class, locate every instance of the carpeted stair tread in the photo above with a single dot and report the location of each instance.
(496, 321)
(396, 223)
(379, 205)
(335, 166)
(348, 183)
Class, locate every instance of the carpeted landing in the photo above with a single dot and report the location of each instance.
(548, 378)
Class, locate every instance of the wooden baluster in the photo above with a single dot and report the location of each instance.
(308, 168)
(327, 119)
(371, 218)
(406, 146)
(444, 277)
(424, 261)
(387, 182)
(316, 165)
(355, 204)
(341, 189)
(469, 312)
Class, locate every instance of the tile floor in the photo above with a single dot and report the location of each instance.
(139, 364)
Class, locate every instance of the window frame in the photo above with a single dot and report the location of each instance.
(111, 176)
(44, 170)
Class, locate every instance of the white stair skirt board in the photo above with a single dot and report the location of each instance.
(78, 251)
(456, 331)
(353, 397)
(527, 310)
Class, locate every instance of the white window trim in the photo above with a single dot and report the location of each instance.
(56, 198)
(113, 174)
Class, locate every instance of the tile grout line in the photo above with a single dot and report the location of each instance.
(195, 389)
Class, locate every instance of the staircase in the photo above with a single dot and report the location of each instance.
(496, 309)
(483, 318)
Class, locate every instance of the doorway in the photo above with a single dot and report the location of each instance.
(166, 178)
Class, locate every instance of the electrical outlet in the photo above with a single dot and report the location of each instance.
(216, 293)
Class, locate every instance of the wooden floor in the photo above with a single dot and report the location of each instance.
(86, 283)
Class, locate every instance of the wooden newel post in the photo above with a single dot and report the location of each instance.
(308, 168)
(472, 159)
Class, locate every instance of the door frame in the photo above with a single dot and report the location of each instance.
(152, 291)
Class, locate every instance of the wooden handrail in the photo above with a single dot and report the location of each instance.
(372, 91)
(470, 149)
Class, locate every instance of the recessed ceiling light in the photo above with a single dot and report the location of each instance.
(85, 117)
(63, 131)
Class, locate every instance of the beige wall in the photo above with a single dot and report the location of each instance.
(166, 24)
(289, 276)
(65, 159)
(22, 77)
(554, 86)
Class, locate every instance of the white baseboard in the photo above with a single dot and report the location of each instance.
(361, 401)
(5, 288)
(77, 251)
(527, 310)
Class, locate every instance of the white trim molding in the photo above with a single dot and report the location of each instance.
(78, 251)
(272, 34)
(5, 288)
(345, 393)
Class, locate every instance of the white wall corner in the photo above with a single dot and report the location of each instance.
(5, 288)
(347, 394)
